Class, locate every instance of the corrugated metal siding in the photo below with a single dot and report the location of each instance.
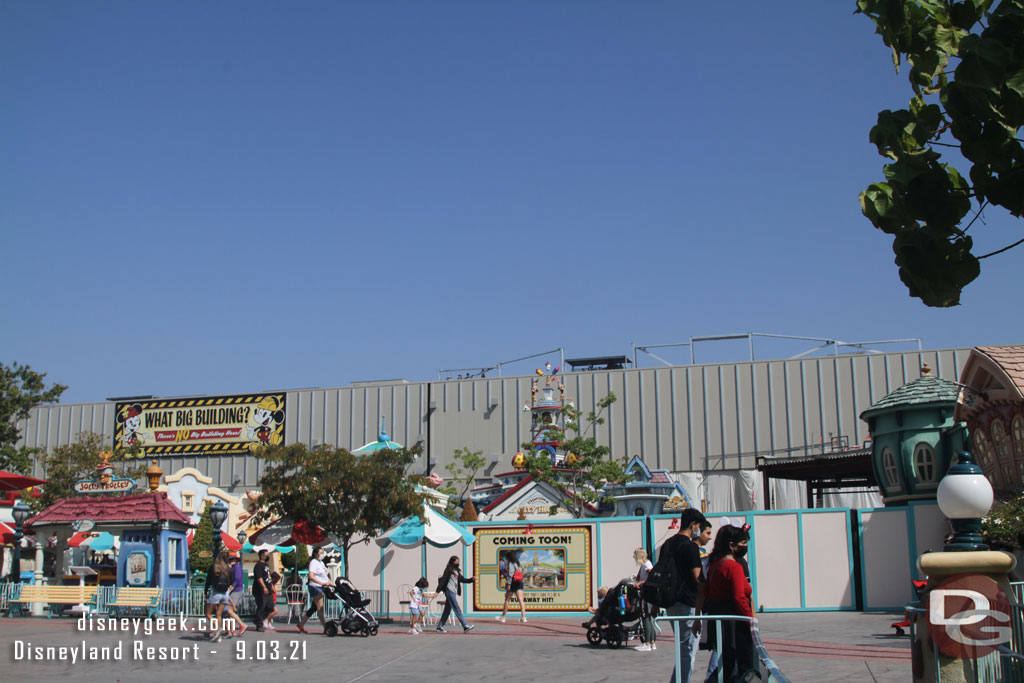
(683, 418)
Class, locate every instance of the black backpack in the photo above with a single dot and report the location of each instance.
(661, 588)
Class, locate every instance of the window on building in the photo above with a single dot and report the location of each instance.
(982, 448)
(1020, 468)
(1018, 434)
(175, 558)
(892, 475)
(924, 463)
(188, 501)
(1000, 440)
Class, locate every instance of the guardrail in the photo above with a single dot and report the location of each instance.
(769, 670)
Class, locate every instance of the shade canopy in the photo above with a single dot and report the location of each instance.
(99, 543)
(437, 530)
(9, 481)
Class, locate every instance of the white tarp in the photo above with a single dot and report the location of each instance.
(742, 490)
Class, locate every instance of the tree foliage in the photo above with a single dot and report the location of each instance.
(462, 473)
(21, 389)
(1004, 525)
(967, 75)
(200, 553)
(592, 465)
(65, 465)
(352, 498)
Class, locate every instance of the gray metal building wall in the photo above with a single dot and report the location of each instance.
(683, 418)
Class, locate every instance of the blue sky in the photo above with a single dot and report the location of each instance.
(237, 196)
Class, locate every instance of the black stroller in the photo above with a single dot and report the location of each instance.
(355, 618)
(619, 617)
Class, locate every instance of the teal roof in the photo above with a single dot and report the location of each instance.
(920, 392)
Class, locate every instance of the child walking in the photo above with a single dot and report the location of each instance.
(416, 606)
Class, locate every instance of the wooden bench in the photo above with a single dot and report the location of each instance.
(54, 597)
(129, 598)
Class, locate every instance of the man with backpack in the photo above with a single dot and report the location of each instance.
(689, 594)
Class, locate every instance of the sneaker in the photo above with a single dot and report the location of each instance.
(501, 619)
(522, 620)
(242, 629)
(441, 630)
(216, 637)
(653, 646)
(643, 648)
(586, 625)
(469, 628)
(413, 632)
(302, 629)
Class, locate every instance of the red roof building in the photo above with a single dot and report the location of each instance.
(141, 507)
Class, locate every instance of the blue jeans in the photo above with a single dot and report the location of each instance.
(687, 642)
(451, 604)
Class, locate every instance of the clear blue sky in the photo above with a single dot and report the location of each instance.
(222, 197)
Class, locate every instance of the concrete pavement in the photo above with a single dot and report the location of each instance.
(846, 647)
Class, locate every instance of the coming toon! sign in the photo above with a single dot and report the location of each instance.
(213, 425)
(555, 563)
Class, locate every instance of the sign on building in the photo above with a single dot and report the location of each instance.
(555, 563)
(200, 426)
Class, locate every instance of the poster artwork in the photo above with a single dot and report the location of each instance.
(555, 562)
(214, 425)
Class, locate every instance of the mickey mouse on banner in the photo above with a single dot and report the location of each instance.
(261, 423)
(131, 418)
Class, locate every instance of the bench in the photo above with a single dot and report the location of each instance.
(129, 598)
(54, 597)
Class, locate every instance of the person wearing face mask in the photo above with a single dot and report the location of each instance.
(451, 585)
(727, 591)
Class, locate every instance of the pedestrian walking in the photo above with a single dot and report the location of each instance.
(450, 585)
(261, 589)
(514, 583)
(317, 579)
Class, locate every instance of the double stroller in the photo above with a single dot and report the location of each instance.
(355, 618)
(619, 616)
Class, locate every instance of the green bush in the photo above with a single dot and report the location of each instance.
(1004, 525)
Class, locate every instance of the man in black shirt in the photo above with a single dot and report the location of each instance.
(261, 589)
(691, 590)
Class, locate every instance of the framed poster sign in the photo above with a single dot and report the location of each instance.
(555, 562)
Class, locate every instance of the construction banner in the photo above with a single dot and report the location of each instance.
(555, 562)
(213, 425)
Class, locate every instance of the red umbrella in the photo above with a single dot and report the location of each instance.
(9, 481)
(77, 538)
(230, 542)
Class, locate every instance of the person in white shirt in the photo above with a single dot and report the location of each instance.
(318, 578)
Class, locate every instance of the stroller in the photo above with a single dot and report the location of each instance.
(355, 618)
(619, 617)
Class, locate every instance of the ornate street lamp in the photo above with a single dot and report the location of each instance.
(218, 513)
(20, 512)
(965, 496)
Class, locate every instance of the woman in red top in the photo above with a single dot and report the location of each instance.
(727, 591)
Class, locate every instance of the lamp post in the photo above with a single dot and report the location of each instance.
(965, 496)
(241, 537)
(20, 512)
(218, 513)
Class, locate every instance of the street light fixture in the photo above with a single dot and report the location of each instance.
(965, 496)
(218, 513)
(21, 513)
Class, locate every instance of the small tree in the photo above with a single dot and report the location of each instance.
(65, 465)
(200, 554)
(296, 560)
(21, 390)
(462, 473)
(588, 465)
(468, 512)
(1004, 525)
(352, 498)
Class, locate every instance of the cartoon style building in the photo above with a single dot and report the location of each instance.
(915, 435)
(647, 491)
(991, 402)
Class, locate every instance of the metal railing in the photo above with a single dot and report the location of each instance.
(769, 671)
